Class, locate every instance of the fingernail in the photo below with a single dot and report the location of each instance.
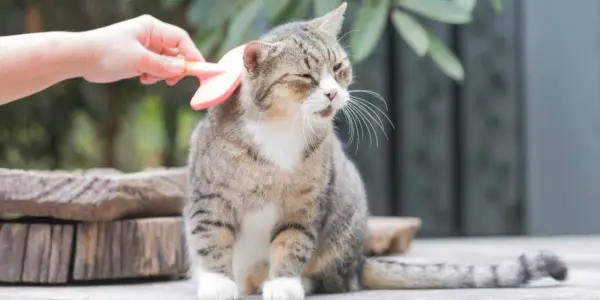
(177, 65)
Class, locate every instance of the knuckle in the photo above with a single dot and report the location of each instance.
(180, 32)
(146, 18)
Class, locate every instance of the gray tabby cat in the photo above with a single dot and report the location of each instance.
(274, 205)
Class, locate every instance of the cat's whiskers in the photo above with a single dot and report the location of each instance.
(300, 114)
(363, 111)
(367, 122)
(371, 112)
(357, 124)
(373, 106)
(304, 137)
(350, 127)
(311, 129)
(311, 135)
(375, 94)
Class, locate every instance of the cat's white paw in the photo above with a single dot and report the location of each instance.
(283, 288)
(214, 286)
(308, 285)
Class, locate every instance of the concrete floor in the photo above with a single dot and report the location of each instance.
(581, 253)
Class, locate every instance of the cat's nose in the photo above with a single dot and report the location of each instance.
(331, 95)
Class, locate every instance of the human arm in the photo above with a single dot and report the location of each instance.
(143, 46)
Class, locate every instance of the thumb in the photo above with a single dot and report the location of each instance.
(161, 66)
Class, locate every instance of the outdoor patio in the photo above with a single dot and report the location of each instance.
(581, 254)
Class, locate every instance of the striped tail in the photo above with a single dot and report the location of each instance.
(387, 273)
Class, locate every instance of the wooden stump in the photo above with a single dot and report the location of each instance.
(35, 253)
(47, 253)
(93, 195)
(130, 249)
(390, 235)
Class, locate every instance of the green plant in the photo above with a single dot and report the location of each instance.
(422, 41)
(223, 24)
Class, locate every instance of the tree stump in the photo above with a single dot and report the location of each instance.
(130, 249)
(35, 253)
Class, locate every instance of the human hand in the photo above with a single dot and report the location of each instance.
(143, 46)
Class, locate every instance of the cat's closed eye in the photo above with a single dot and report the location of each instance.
(307, 76)
(337, 67)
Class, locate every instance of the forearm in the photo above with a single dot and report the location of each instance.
(33, 62)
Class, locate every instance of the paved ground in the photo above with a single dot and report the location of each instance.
(581, 253)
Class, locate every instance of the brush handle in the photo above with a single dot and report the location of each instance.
(203, 70)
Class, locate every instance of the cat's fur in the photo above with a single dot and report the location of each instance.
(275, 206)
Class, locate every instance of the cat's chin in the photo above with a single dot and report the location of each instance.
(326, 112)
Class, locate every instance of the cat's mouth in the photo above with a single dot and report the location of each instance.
(326, 112)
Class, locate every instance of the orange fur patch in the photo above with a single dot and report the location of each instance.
(280, 245)
(276, 113)
(255, 277)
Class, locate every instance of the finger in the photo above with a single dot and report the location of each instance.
(160, 66)
(173, 80)
(171, 36)
(144, 79)
(170, 51)
(148, 79)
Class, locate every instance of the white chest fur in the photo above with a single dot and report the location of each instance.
(253, 242)
(282, 143)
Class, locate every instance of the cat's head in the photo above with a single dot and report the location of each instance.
(299, 70)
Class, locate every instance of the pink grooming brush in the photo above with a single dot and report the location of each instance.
(218, 80)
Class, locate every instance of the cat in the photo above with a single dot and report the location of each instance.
(274, 205)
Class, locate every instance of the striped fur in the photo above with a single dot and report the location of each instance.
(274, 206)
(385, 273)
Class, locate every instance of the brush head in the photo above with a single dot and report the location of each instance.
(215, 89)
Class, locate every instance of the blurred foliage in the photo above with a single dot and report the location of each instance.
(76, 124)
(128, 126)
(236, 21)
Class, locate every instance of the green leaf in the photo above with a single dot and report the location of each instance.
(197, 12)
(445, 59)
(368, 27)
(275, 7)
(296, 9)
(467, 5)
(241, 24)
(219, 12)
(208, 40)
(322, 7)
(411, 31)
(497, 5)
(439, 10)
(209, 13)
(170, 4)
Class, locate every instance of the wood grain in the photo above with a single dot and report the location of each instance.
(35, 253)
(60, 253)
(93, 195)
(390, 235)
(13, 238)
(152, 247)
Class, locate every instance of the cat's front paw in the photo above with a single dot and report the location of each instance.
(283, 288)
(214, 286)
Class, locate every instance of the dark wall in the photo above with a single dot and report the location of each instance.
(454, 157)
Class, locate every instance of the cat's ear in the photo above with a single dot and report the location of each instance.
(332, 21)
(257, 52)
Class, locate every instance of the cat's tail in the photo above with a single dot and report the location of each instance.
(390, 273)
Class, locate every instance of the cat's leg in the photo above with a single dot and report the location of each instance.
(337, 262)
(258, 273)
(292, 244)
(211, 237)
